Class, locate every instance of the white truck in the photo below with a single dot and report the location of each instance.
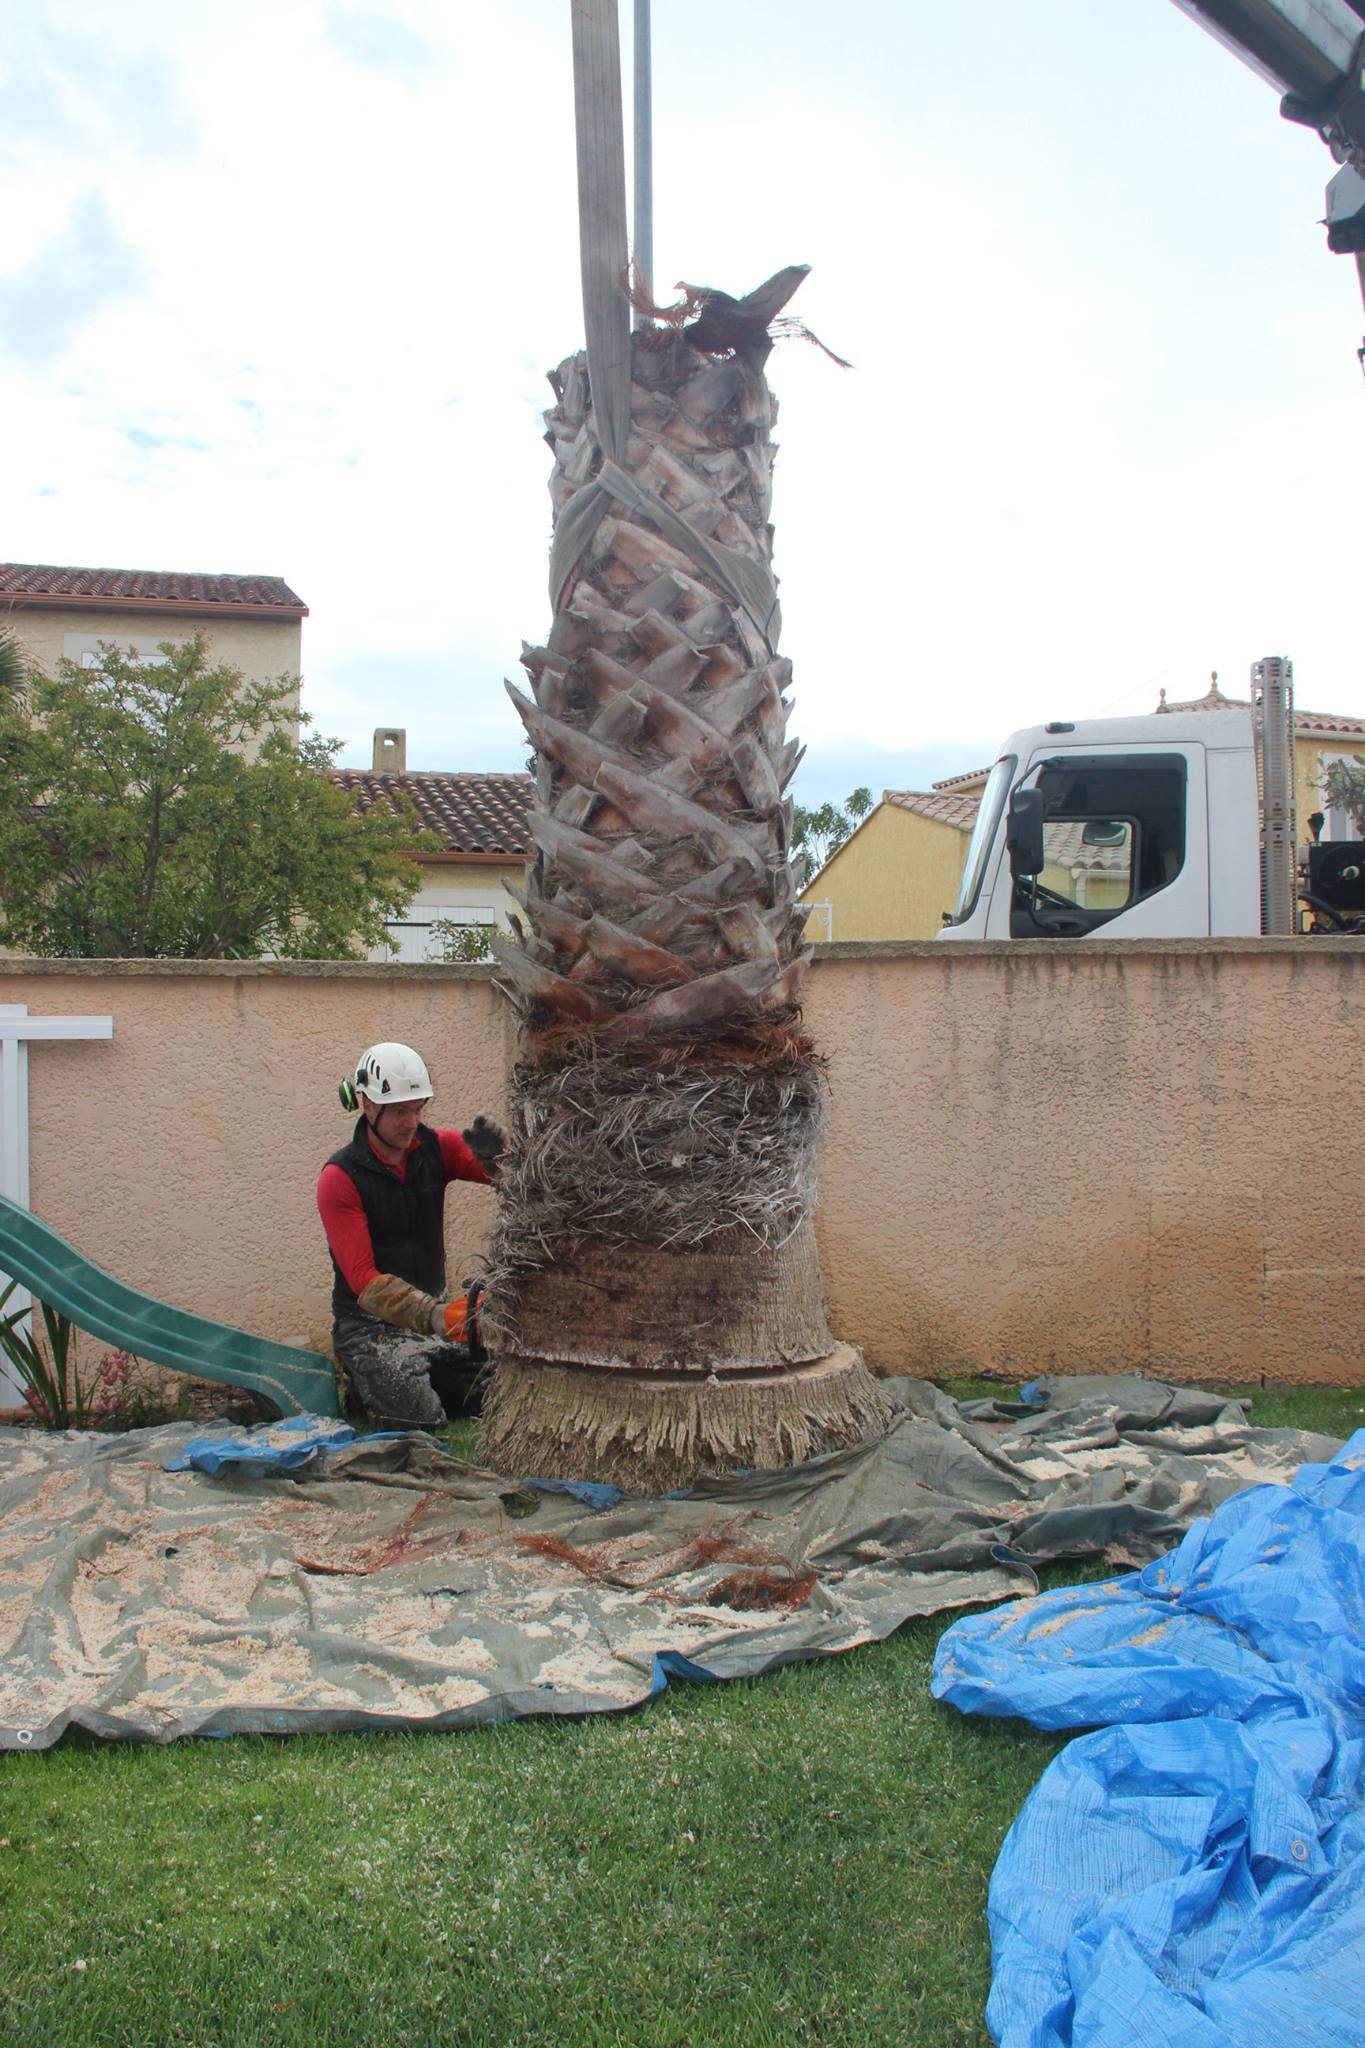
(1182, 826)
(1175, 825)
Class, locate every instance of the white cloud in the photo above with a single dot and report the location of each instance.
(65, 85)
(379, 41)
(66, 285)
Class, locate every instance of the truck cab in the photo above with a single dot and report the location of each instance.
(1140, 827)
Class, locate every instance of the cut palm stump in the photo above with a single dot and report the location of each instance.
(656, 1307)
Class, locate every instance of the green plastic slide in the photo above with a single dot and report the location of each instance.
(295, 1382)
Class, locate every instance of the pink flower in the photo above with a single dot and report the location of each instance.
(115, 1369)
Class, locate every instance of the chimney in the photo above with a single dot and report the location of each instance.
(390, 750)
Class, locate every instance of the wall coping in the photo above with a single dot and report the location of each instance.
(22, 967)
(1105, 949)
(26, 967)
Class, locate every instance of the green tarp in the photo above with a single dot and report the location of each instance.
(387, 1584)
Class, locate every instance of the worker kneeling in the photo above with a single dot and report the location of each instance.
(412, 1357)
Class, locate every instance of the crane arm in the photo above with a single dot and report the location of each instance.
(1312, 51)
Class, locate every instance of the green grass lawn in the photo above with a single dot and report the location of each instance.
(800, 1858)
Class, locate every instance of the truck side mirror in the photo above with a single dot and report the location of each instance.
(1024, 833)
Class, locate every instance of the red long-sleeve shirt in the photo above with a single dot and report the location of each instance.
(343, 1213)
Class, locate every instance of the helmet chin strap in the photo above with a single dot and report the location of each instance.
(379, 1108)
(372, 1112)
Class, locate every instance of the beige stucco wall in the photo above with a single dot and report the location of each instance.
(1040, 1157)
(449, 881)
(1048, 1157)
(183, 1154)
(264, 649)
(892, 879)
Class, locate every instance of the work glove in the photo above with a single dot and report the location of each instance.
(391, 1300)
(396, 1301)
(460, 1318)
(487, 1140)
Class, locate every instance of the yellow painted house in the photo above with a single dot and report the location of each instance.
(895, 877)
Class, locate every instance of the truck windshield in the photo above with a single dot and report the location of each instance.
(983, 833)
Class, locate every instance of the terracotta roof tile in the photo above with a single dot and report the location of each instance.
(1327, 721)
(974, 778)
(471, 813)
(37, 583)
(1304, 721)
(1066, 848)
(944, 806)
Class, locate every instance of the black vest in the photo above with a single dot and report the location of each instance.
(406, 1217)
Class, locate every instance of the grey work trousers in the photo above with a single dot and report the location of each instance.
(404, 1380)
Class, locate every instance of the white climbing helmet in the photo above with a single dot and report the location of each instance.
(391, 1073)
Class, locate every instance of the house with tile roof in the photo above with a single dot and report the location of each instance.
(481, 822)
(896, 875)
(1320, 737)
(253, 622)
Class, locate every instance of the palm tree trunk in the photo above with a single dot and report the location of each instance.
(656, 1299)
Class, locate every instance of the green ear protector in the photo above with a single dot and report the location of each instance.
(349, 1099)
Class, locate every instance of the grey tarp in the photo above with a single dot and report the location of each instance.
(387, 1584)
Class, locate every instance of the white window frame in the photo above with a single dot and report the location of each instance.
(483, 916)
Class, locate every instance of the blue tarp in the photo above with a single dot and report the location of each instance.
(1191, 1875)
(278, 1447)
(285, 1446)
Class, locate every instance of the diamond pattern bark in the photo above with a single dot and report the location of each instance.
(655, 1302)
(662, 894)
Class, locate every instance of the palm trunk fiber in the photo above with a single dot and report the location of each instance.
(655, 1300)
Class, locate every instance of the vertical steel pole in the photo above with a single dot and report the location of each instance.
(643, 220)
(1272, 696)
(600, 143)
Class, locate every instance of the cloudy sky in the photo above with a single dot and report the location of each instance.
(280, 283)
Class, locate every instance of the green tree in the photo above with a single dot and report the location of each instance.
(163, 808)
(461, 942)
(1343, 789)
(13, 666)
(818, 834)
